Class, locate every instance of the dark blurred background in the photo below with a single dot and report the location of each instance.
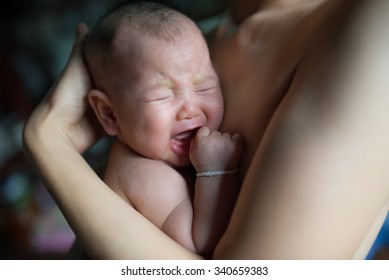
(36, 37)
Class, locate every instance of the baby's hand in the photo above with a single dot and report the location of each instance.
(213, 150)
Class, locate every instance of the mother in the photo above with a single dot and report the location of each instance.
(306, 84)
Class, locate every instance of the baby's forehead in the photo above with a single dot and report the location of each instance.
(129, 41)
(183, 27)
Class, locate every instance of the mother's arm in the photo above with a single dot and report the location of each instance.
(54, 136)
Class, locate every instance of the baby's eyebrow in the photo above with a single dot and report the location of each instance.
(165, 83)
(159, 83)
(200, 78)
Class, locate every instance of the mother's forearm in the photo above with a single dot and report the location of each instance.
(106, 225)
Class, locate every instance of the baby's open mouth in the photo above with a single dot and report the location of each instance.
(186, 135)
(181, 141)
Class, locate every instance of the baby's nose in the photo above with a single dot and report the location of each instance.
(188, 110)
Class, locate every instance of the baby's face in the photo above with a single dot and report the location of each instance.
(168, 90)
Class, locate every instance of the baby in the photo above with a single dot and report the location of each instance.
(157, 92)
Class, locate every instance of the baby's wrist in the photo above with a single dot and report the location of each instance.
(219, 172)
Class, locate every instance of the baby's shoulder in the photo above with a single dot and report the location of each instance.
(132, 173)
(123, 159)
(153, 187)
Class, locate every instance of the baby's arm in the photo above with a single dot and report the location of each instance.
(215, 195)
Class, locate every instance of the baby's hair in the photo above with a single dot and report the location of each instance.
(150, 18)
(140, 17)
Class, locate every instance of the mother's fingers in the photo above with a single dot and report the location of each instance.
(74, 82)
(81, 32)
(76, 69)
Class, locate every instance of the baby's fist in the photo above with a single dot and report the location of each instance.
(213, 150)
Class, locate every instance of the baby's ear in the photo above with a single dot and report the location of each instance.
(102, 106)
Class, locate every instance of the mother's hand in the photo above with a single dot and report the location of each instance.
(64, 111)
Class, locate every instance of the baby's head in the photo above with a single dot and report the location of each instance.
(155, 83)
(124, 31)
